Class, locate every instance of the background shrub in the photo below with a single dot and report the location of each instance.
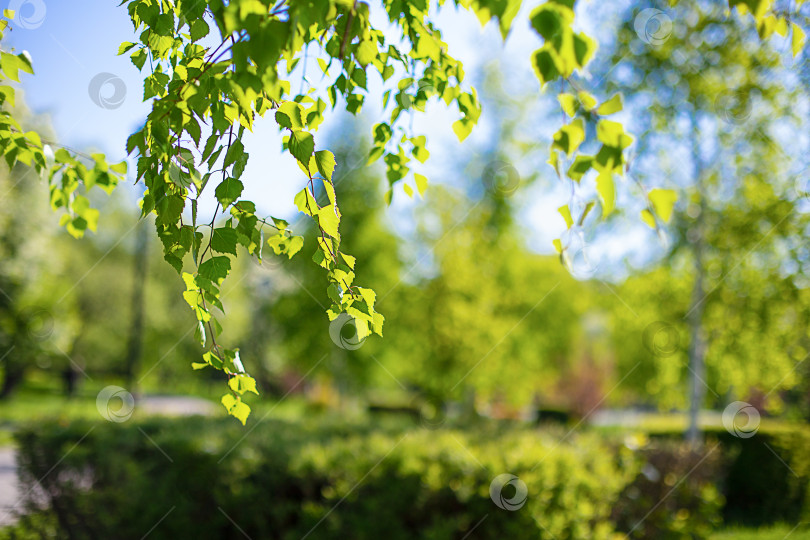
(205, 478)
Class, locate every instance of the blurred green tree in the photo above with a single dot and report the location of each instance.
(714, 107)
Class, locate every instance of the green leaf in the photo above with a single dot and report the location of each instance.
(568, 102)
(663, 201)
(11, 65)
(648, 218)
(198, 30)
(296, 243)
(584, 49)
(797, 39)
(607, 192)
(588, 208)
(325, 161)
(228, 191)
(366, 52)
(216, 268)
(570, 136)
(243, 383)
(328, 221)
(566, 214)
(557, 245)
(613, 105)
(544, 65)
(138, 58)
(551, 20)
(612, 134)
(301, 146)
(581, 165)
(223, 240)
(213, 360)
(421, 183)
(462, 128)
(236, 407)
(306, 203)
(290, 115)
(587, 100)
(125, 47)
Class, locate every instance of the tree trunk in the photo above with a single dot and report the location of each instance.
(697, 338)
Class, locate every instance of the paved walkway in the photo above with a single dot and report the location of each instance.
(8, 485)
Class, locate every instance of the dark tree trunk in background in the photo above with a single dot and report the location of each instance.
(13, 375)
(697, 338)
(136, 329)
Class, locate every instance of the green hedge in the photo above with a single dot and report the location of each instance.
(337, 481)
(765, 479)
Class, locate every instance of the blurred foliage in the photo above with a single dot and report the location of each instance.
(675, 494)
(332, 480)
(324, 476)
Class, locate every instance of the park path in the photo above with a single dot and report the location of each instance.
(9, 492)
(151, 405)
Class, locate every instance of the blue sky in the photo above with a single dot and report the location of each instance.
(73, 43)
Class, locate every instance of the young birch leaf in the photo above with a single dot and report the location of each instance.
(421, 184)
(242, 384)
(607, 192)
(663, 200)
(306, 203)
(223, 240)
(588, 208)
(216, 268)
(797, 39)
(568, 102)
(587, 100)
(462, 129)
(566, 214)
(613, 105)
(544, 65)
(648, 218)
(325, 161)
(301, 146)
(289, 115)
(581, 165)
(570, 136)
(228, 191)
(296, 243)
(328, 221)
(366, 52)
